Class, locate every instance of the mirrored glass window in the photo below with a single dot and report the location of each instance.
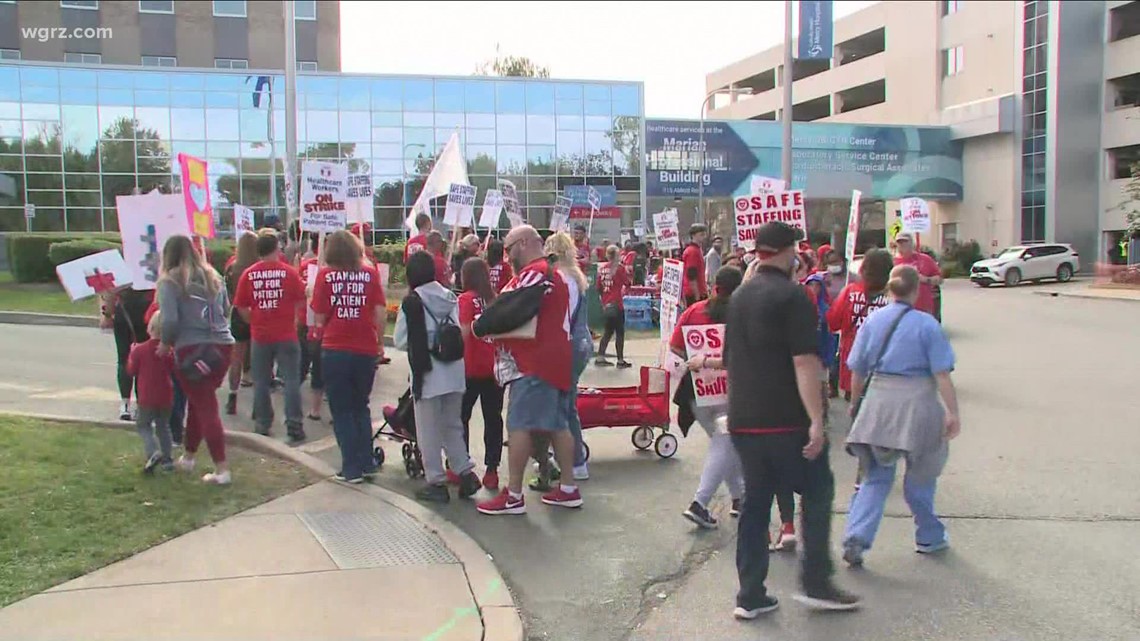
(540, 129)
(510, 129)
(510, 97)
(479, 96)
(387, 94)
(418, 95)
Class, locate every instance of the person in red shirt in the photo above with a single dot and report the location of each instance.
(929, 273)
(612, 281)
(419, 241)
(435, 246)
(309, 336)
(849, 310)
(499, 269)
(243, 259)
(628, 257)
(479, 362)
(538, 370)
(582, 244)
(695, 286)
(600, 250)
(349, 307)
(154, 397)
(268, 296)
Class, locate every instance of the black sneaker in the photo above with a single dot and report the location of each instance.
(433, 494)
(231, 404)
(355, 480)
(853, 553)
(699, 515)
(296, 437)
(602, 362)
(828, 598)
(624, 364)
(166, 464)
(152, 463)
(469, 484)
(734, 511)
(766, 605)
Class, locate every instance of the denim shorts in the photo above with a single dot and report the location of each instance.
(537, 405)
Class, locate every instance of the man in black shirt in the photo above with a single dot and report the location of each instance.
(775, 415)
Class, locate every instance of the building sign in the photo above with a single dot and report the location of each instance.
(816, 30)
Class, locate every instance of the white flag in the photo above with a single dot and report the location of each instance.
(449, 168)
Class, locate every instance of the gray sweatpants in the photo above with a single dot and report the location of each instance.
(439, 429)
(722, 463)
(150, 421)
(287, 355)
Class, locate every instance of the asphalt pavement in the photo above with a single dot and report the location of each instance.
(1040, 494)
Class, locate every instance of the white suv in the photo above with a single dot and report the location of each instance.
(1027, 262)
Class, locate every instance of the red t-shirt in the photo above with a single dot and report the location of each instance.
(695, 314)
(612, 284)
(694, 269)
(847, 313)
(547, 355)
(926, 267)
(600, 253)
(478, 353)
(347, 300)
(442, 270)
(583, 253)
(230, 261)
(416, 243)
(500, 275)
(627, 259)
(271, 290)
(155, 389)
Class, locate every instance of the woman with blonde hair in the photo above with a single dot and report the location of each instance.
(561, 249)
(195, 326)
(245, 256)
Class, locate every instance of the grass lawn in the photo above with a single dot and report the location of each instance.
(73, 499)
(46, 298)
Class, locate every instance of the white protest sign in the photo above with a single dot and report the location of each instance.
(754, 211)
(358, 198)
(710, 385)
(492, 209)
(624, 238)
(639, 228)
(94, 274)
(560, 219)
(243, 220)
(915, 215)
(766, 185)
(665, 226)
(323, 189)
(510, 200)
(852, 227)
(671, 276)
(311, 282)
(460, 208)
(146, 222)
(593, 198)
(384, 271)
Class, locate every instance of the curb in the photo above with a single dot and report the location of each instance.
(1119, 299)
(500, 616)
(59, 320)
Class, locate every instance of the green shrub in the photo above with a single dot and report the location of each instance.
(219, 250)
(70, 250)
(964, 255)
(28, 256)
(391, 253)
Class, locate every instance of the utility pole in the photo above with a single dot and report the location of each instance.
(291, 182)
(786, 163)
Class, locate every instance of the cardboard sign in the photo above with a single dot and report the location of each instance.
(593, 198)
(710, 385)
(671, 276)
(460, 208)
(754, 211)
(915, 215)
(665, 226)
(145, 223)
(639, 228)
(766, 185)
(852, 227)
(94, 274)
(243, 220)
(310, 282)
(196, 195)
(492, 209)
(510, 200)
(358, 199)
(560, 219)
(324, 186)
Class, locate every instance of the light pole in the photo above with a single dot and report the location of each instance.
(404, 182)
(746, 91)
(291, 185)
(786, 120)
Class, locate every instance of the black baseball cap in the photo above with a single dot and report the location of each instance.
(775, 236)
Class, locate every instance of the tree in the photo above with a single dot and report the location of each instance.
(1131, 206)
(512, 66)
(138, 153)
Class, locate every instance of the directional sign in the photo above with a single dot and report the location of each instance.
(677, 151)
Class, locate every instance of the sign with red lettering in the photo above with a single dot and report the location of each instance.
(324, 195)
(710, 385)
(94, 274)
(753, 211)
(915, 215)
(666, 226)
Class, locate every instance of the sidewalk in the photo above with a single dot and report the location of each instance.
(327, 562)
(1092, 291)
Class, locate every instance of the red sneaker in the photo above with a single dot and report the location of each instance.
(503, 504)
(453, 478)
(491, 479)
(564, 499)
(787, 539)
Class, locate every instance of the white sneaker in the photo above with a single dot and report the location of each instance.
(185, 463)
(125, 411)
(581, 472)
(216, 478)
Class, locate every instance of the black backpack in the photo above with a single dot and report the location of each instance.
(448, 344)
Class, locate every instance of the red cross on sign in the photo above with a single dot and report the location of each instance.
(101, 281)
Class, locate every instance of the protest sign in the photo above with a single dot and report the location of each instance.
(145, 223)
(560, 219)
(384, 270)
(510, 201)
(766, 185)
(243, 220)
(710, 385)
(358, 199)
(94, 274)
(665, 226)
(671, 273)
(624, 238)
(915, 215)
(196, 195)
(593, 198)
(460, 209)
(754, 211)
(323, 191)
(852, 227)
(492, 209)
(639, 228)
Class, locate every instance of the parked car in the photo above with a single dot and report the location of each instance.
(1027, 262)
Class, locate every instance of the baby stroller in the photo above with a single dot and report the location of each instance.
(400, 425)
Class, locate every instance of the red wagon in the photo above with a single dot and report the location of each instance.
(644, 407)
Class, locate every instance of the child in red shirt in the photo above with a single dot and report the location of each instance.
(155, 397)
(479, 362)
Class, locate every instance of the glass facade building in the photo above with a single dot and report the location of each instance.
(73, 137)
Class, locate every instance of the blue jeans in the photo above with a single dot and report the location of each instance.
(177, 411)
(581, 359)
(870, 499)
(348, 384)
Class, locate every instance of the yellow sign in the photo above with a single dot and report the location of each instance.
(894, 229)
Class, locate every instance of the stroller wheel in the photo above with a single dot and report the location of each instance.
(419, 461)
(406, 451)
(377, 456)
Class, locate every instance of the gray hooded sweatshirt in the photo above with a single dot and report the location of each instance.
(193, 316)
(440, 302)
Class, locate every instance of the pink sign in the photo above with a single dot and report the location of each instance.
(196, 194)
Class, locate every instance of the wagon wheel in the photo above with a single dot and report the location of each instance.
(666, 446)
(642, 437)
(586, 447)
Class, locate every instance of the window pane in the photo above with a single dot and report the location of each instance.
(305, 9)
(386, 95)
(482, 136)
(232, 8)
(187, 124)
(540, 159)
(354, 93)
(540, 130)
(539, 98)
(154, 119)
(480, 121)
(511, 129)
(449, 95)
(355, 126)
(510, 97)
(419, 118)
(156, 6)
(511, 159)
(418, 95)
(479, 96)
(626, 100)
(481, 159)
(222, 124)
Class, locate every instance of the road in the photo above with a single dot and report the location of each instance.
(1040, 495)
